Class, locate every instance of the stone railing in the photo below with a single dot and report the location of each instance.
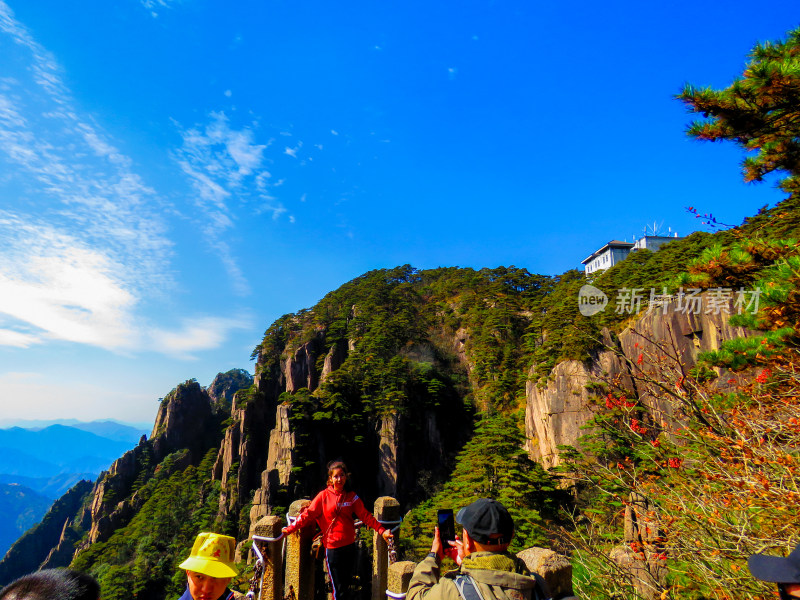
(284, 567)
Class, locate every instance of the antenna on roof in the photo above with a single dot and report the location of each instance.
(653, 229)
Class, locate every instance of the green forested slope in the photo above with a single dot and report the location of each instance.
(461, 344)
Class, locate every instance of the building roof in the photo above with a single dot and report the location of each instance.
(608, 246)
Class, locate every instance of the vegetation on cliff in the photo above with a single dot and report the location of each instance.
(446, 342)
(505, 473)
(711, 477)
(140, 559)
(714, 461)
(33, 547)
(719, 475)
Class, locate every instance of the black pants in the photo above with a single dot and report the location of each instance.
(341, 563)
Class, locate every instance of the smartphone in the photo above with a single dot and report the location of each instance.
(447, 526)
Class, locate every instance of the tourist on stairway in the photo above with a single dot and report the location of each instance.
(335, 509)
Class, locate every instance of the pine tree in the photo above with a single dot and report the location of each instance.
(760, 111)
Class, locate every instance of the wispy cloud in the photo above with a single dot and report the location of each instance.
(197, 334)
(227, 169)
(78, 178)
(84, 240)
(156, 5)
(293, 151)
(17, 339)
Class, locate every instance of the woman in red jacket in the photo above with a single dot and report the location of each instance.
(335, 510)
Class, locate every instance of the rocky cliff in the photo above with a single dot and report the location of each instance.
(186, 426)
(261, 458)
(386, 373)
(664, 342)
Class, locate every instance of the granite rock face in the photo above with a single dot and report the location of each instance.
(260, 453)
(184, 420)
(241, 456)
(667, 342)
(185, 425)
(662, 343)
(300, 369)
(555, 569)
(557, 413)
(279, 465)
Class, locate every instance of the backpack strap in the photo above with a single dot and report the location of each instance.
(467, 588)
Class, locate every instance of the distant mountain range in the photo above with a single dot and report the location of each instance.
(21, 508)
(113, 430)
(56, 450)
(40, 462)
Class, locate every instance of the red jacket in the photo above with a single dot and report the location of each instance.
(342, 531)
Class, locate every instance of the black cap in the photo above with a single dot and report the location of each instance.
(776, 569)
(485, 520)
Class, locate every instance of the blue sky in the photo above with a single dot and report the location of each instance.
(175, 175)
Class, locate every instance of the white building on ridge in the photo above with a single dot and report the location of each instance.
(615, 251)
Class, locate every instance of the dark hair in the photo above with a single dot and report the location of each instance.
(339, 464)
(52, 584)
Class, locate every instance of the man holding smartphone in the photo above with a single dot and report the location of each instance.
(487, 571)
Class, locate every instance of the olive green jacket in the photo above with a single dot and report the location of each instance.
(493, 584)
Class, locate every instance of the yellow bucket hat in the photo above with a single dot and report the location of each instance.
(212, 555)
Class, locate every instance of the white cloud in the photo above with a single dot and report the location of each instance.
(293, 151)
(81, 182)
(225, 164)
(61, 289)
(203, 333)
(17, 339)
(90, 242)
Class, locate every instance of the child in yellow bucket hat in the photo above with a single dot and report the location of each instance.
(210, 568)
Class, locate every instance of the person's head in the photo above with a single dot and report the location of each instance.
(210, 568)
(487, 526)
(52, 584)
(338, 475)
(777, 569)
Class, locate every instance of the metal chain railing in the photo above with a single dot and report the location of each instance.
(254, 593)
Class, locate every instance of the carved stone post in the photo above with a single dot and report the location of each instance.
(555, 569)
(299, 564)
(398, 578)
(643, 554)
(272, 581)
(386, 509)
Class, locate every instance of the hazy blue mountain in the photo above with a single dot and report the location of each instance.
(39, 464)
(14, 461)
(42, 423)
(21, 508)
(113, 431)
(69, 449)
(49, 487)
